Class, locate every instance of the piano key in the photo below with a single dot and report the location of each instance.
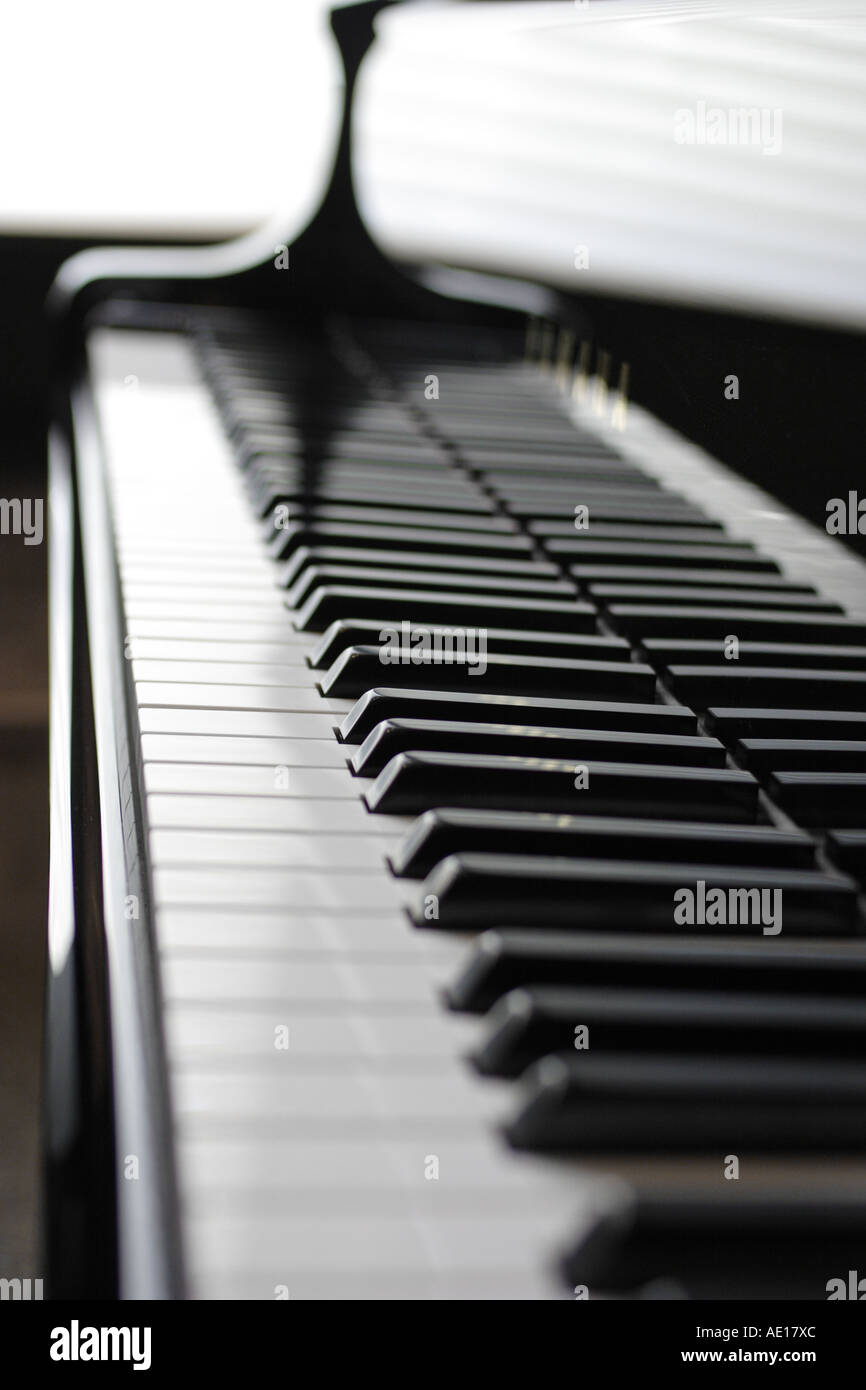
(233, 885)
(335, 815)
(464, 504)
(505, 959)
(730, 724)
(847, 849)
(485, 521)
(667, 577)
(666, 651)
(638, 601)
(764, 755)
(787, 687)
(622, 519)
(488, 890)
(203, 696)
(394, 736)
(320, 985)
(548, 513)
(436, 834)
(358, 669)
(284, 676)
(234, 779)
(822, 798)
(563, 538)
(529, 1023)
(391, 703)
(587, 1104)
(525, 565)
(173, 848)
(251, 750)
(363, 631)
(290, 652)
(329, 602)
(416, 782)
(670, 619)
(341, 536)
(765, 1245)
(313, 727)
(482, 585)
(672, 553)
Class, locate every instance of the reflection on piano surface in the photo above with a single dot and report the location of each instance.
(473, 799)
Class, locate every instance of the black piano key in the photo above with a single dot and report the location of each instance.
(665, 576)
(460, 565)
(732, 723)
(765, 755)
(391, 703)
(549, 514)
(370, 497)
(562, 536)
(583, 1104)
(646, 600)
(502, 460)
(363, 631)
(488, 890)
(531, 1022)
(346, 484)
(665, 651)
(508, 958)
(822, 798)
(394, 736)
(559, 489)
(679, 555)
(329, 602)
(357, 669)
(439, 833)
(416, 782)
(483, 586)
(337, 540)
(670, 619)
(786, 687)
(401, 452)
(623, 521)
(847, 849)
(776, 1245)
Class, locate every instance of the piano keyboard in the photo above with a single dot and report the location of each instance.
(392, 896)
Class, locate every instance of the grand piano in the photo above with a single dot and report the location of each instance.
(406, 680)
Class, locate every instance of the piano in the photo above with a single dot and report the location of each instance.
(407, 681)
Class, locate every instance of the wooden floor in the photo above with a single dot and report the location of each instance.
(23, 878)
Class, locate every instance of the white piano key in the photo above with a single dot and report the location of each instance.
(477, 1164)
(290, 652)
(187, 695)
(167, 581)
(259, 813)
(189, 610)
(230, 779)
(433, 1099)
(324, 852)
(275, 984)
(231, 1040)
(224, 672)
(298, 726)
(234, 886)
(249, 751)
(385, 935)
(263, 628)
